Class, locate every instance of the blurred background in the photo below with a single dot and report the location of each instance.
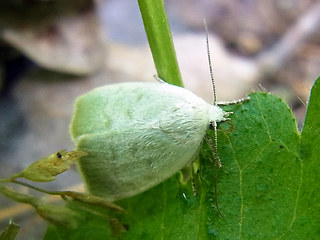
(52, 51)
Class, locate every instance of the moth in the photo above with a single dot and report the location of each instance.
(137, 135)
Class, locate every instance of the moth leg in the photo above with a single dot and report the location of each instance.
(233, 102)
(214, 152)
(216, 165)
(156, 77)
(187, 174)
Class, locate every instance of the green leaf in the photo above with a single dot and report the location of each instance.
(59, 215)
(10, 232)
(267, 186)
(260, 179)
(306, 222)
(94, 224)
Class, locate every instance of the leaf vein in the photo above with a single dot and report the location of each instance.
(240, 185)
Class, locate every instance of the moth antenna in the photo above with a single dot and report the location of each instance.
(210, 65)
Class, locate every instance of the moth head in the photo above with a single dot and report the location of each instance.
(216, 114)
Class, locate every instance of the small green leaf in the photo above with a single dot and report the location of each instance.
(45, 169)
(93, 200)
(59, 215)
(94, 224)
(10, 232)
(19, 197)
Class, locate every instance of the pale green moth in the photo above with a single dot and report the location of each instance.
(139, 134)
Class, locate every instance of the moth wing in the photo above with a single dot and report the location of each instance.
(136, 135)
(120, 106)
(123, 163)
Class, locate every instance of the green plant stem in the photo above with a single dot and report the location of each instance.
(5, 180)
(158, 32)
(37, 189)
(82, 197)
(13, 180)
